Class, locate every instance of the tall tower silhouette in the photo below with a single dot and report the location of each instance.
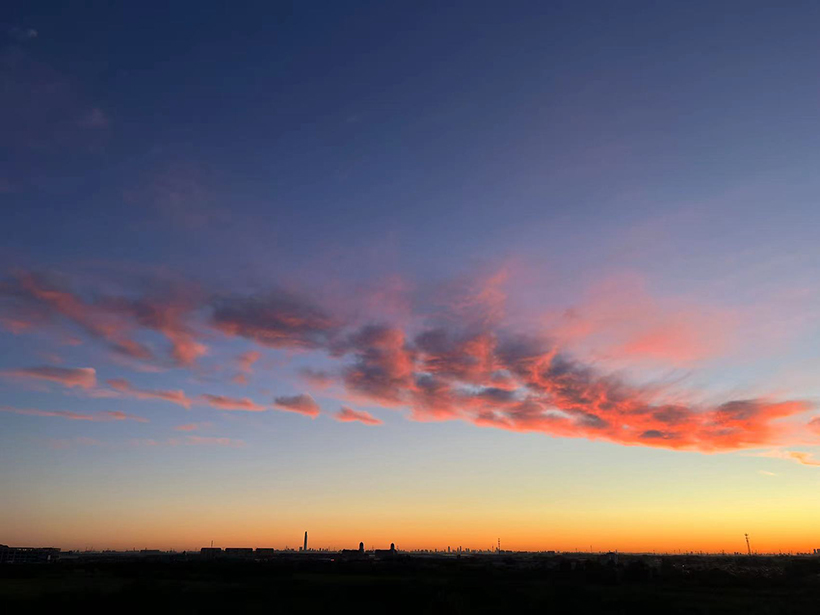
(304, 548)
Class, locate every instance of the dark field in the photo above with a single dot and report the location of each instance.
(417, 584)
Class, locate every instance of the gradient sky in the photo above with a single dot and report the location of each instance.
(412, 273)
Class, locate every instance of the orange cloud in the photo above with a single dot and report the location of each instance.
(798, 456)
(303, 404)
(231, 403)
(175, 397)
(82, 377)
(346, 415)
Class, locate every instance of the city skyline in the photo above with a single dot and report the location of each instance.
(411, 274)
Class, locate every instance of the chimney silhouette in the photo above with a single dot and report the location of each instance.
(305, 547)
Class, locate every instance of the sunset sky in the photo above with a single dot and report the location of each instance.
(414, 272)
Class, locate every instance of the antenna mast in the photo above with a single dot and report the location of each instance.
(748, 546)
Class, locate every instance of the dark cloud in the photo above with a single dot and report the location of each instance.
(302, 404)
(277, 320)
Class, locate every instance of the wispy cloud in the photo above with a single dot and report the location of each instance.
(347, 415)
(214, 441)
(190, 440)
(67, 443)
(232, 403)
(245, 363)
(459, 361)
(316, 378)
(82, 377)
(190, 426)
(798, 456)
(98, 417)
(112, 319)
(124, 387)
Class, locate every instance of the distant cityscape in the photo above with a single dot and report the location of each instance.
(29, 555)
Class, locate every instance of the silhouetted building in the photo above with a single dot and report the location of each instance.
(28, 555)
(304, 548)
(384, 553)
(210, 552)
(265, 552)
(354, 553)
(239, 552)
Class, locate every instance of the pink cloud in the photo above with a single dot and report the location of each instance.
(231, 403)
(302, 404)
(166, 316)
(82, 377)
(214, 441)
(245, 363)
(95, 321)
(620, 320)
(113, 319)
(462, 360)
(190, 440)
(187, 427)
(16, 325)
(346, 415)
(117, 415)
(97, 417)
(383, 366)
(176, 396)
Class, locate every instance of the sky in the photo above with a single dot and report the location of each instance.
(426, 273)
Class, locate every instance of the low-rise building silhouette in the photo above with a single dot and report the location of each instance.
(354, 553)
(28, 555)
(384, 553)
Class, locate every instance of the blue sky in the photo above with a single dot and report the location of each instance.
(394, 196)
